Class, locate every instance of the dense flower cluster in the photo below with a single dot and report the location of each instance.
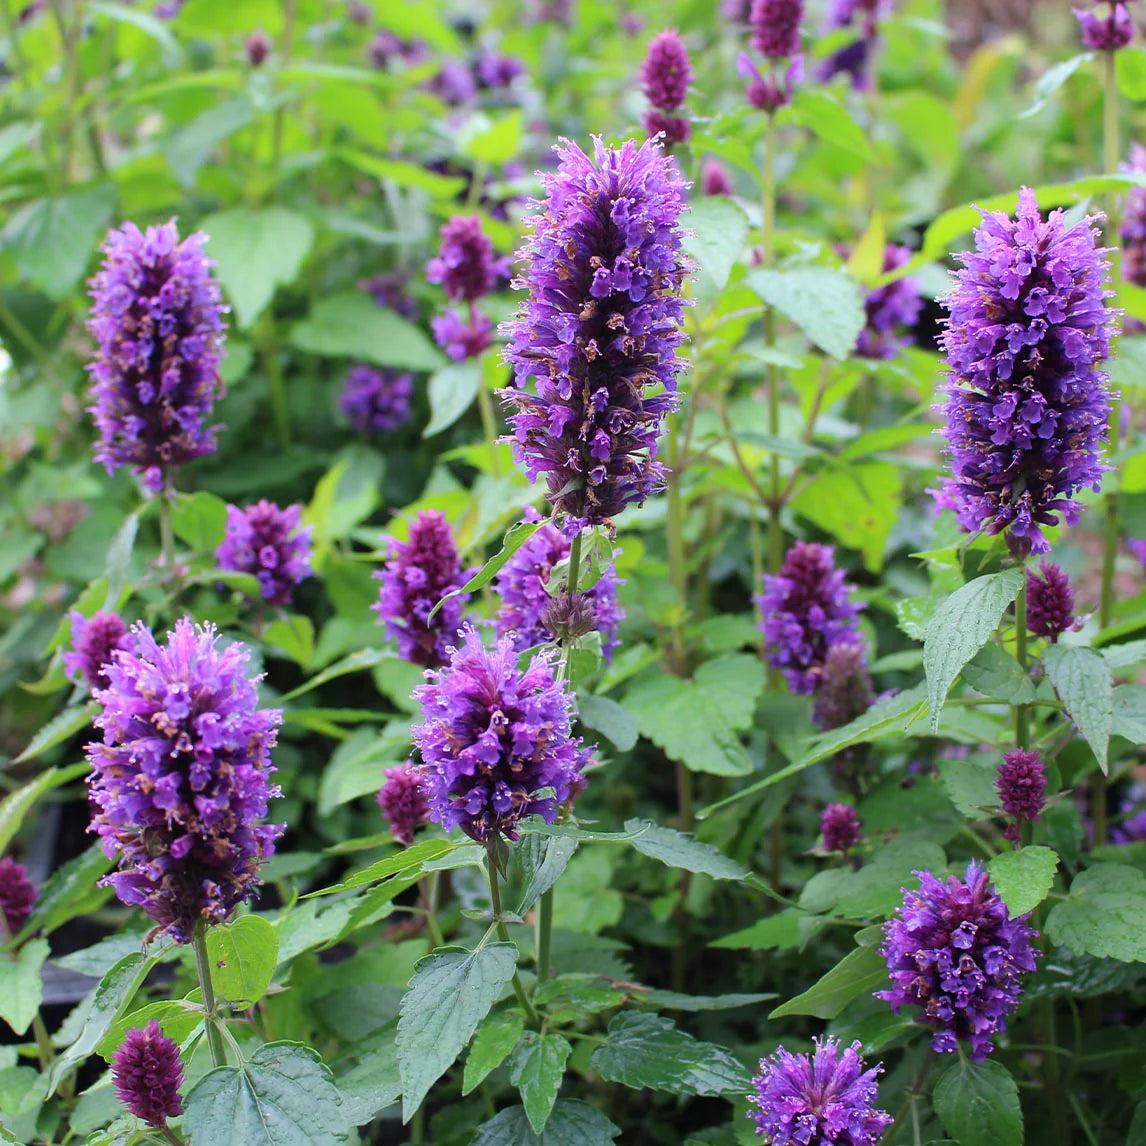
(94, 640)
(1132, 223)
(844, 690)
(461, 336)
(1027, 403)
(258, 47)
(1050, 602)
(465, 266)
(388, 289)
(494, 71)
(1022, 786)
(157, 318)
(665, 76)
(493, 738)
(271, 544)
(775, 27)
(807, 608)
(890, 310)
(1108, 32)
(376, 401)
(521, 586)
(953, 949)
(180, 781)
(600, 329)
(822, 1099)
(17, 898)
(418, 574)
(840, 827)
(715, 180)
(148, 1074)
(403, 801)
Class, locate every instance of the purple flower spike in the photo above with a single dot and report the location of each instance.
(715, 180)
(258, 48)
(403, 801)
(180, 783)
(465, 265)
(418, 574)
(840, 827)
(148, 1074)
(822, 1099)
(772, 89)
(157, 318)
(388, 290)
(526, 603)
(94, 641)
(666, 71)
(1022, 787)
(807, 608)
(600, 329)
(954, 950)
(776, 27)
(1109, 32)
(1050, 602)
(270, 543)
(844, 690)
(17, 898)
(494, 738)
(890, 310)
(1027, 403)
(376, 401)
(674, 128)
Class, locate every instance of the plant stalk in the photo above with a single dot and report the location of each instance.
(1022, 711)
(203, 966)
(167, 530)
(544, 935)
(503, 935)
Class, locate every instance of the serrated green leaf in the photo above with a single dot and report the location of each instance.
(177, 1018)
(71, 890)
(282, 1095)
(372, 1083)
(119, 558)
(572, 1123)
(199, 519)
(978, 1104)
(61, 727)
(995, 673)
(1129, 712)
(778, 932)
(536, 1068)
(21, 986)
(610, 718)
(401, 861)
(451, 391)
(496, 1036)
(243, 955)
(970, 785)
(831, 121)
(360, 661)
(1105, 914)
(718, 229)
(1085, 686)
(541, 860)
(675, 1001)
(826, 304)
(292, 634)
(1023, 878)
(960, 627)
(684, 851)
(450, 993)
(15, 806)
(643, 1050)
(859, 973)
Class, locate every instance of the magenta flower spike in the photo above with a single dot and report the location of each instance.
(148, 1075)
(270, 543)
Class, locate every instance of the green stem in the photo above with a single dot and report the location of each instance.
(71, 71)
(489, 425)
(574, 564)
(768, 255)
(203, 967)
(428, 892)
(290, 11)
(170, 1135)
(503, 935)
(43, 1042)
(1022, 711)
(544, 935)
(167, 530)
(273, 367)
(418, 1126)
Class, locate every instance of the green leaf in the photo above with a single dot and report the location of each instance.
(176, 1017)
(542, 859)
(675, 1001)
(1105, 914)
(680, 850)
(536, 1068)
(1085, 686)
(452, 391)
(71, 890)
(995, 673)
(495, 1038)
(15, 806)
(282, 1095)
(719, 228)
(859, 972)
(643, 1050)
(961, 626)
(826, 304)
(21, 987)
(831, 121)
(978, 1104)
(404, 174)
(359, 661)
(243, 955)
(610, 718)
(150, 25)
(970, 785)
(372, 1083)
(351, 325)
(402, 861)
(1023, 878)
(572, 1123)
(63, 726)
(189, 147)
(1130, 71)
(1053, 79)
(450, 993)
(517, 536)
(119, 558)
(1129, 713)
(255, 252)
(293, 635)
(52, 240)
(200, 519)
(778, 932)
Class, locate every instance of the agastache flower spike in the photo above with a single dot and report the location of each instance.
(180, 782)
(1109, 32)
(1027, 405)
(605, 274)
(890, 310)
(1022, 786)
(840, 827)
(17, 898)
(403, 801)
(148, 1074)
(94, 640)
(270, 543)
(157, 318)
(376, 401)
(495, 740)
(665, 76)
(1050, 602)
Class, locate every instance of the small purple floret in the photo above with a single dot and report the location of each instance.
(465, 265)
(844, 690)
(376, 401)
(94, 640)
(148, 1074)
(715, 180)
(776, 27)
(461, 337)
(403, 801)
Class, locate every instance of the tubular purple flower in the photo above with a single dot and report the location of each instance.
(495, 740)
(776, 27)
(890, 310)
(807, 608)
(180, 782)
(418, 574)
(403, 801)
(271, 544)
(148, 1074)
(770, 90)
(376, 401)
(495, 71)
(461, 338)
(1050, 602)
(954, 950)
(1027, 404)
(17, 898)
(600, 328)
(840, 827)
(1108, 32)
(157, 318)
(465, 265)
(388, 289)
(666, 71)
(674, 128)
(822, 1099)
(94, 640)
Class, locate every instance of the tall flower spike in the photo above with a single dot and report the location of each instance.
(148, 1074)
(1027, 403)
(776, 27)
(954, 950)
(376, 401)
(403, 801)
(1022, 787)
(465, 265)
(419, 573)
(494, 739)
(157, 318)
(180, 782)
(94, 641)
(890, 310)
(600, 329)
(17, 898)
(822, 1099)
(270, 543)
(1050, 602)
(665, 76)
(844, 690)
(840, 827)
(807, 608)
